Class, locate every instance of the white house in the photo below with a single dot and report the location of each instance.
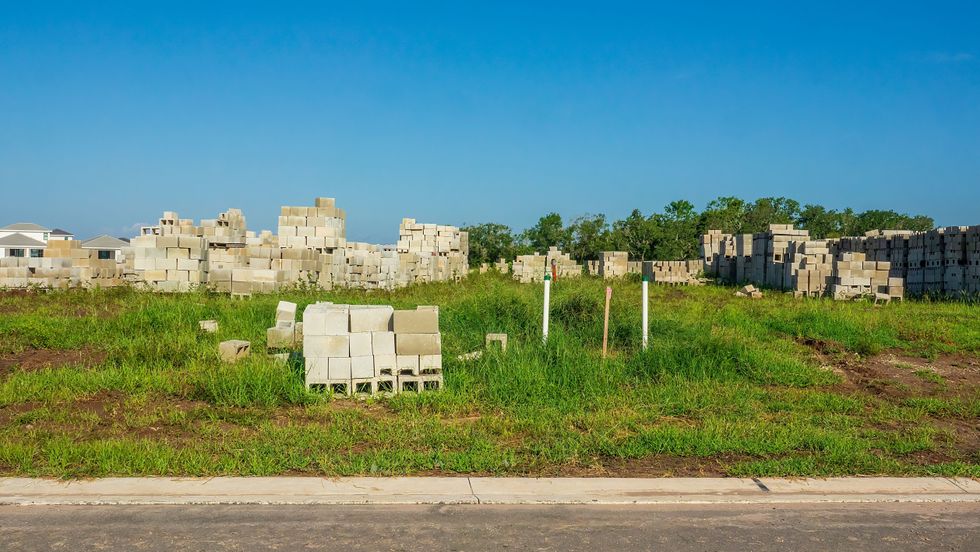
(59, 234)
(29, 229)
(20, 245)
(107, 246)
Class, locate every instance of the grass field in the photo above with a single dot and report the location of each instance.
(118, 382)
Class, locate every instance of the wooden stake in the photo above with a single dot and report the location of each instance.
(605, 325)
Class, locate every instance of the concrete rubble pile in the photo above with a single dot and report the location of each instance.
(371, 349)
(883, 263)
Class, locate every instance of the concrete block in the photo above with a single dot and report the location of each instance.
(423, 320)
(281, 336)
(407, 363)
(339, 368)
(430, 363)
(208, 326)
(286, 311)
(325, 319)
(317, 371)
(418, 344)
(497, 338)
(385, 364)
(362, 367)
(360, 344)
(326, 346)
(383, 343)
(372, 319)
(234, 349)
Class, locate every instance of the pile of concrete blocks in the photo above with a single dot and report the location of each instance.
(229, 229)
(592, 268)
(502, 266)
(712, 250)
(533, 268)
(529, 269)
(322, 227)
(438, 239)
(64, 264)
(749, 291)
(855, 276)
(370, 349)
(673, 272)
(810, 267)
(286, 333)
(170, 261)
(614, 264)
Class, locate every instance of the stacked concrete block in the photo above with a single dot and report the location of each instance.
(502, 266)
(564, 265)
(592, 267)
(321, 227)
(855, 276)
(614, 264)
(229, 229)
(418, 349)
(431, 239)
(170, 261)
(529, 268)
(674, 272)
(711, 250)
(973, 259)
(372, 349)
(286, 332)
(743, 257)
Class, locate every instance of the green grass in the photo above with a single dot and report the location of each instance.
(729, 383)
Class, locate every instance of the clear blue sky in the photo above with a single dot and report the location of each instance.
(465, 112)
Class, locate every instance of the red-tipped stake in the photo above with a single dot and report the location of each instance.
(605, 325)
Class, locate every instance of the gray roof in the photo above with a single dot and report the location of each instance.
(25, 227)
(105, 241)
(19, 240)
(60, 232)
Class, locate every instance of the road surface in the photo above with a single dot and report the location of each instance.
(890, 527)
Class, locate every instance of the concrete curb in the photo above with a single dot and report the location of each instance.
(483, 490)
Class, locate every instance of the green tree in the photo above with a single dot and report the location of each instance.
(769, 210)
(678, 231)
(821, 223)
(724, 213)
(636, 234)
(489, 242)
(548, 232)
(589, 237)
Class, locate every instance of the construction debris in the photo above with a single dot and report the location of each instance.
(208, 326)
(234, 350)
(749, 291)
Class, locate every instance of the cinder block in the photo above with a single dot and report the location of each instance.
(326, 319)
(408, 363)
(286, 311)
(208, 326)
(418, 344)
(371, 319)
(339, 368)
(423, 320)
(362, 367)
(383, 343)
(385, 365)
(430, 363)
(326, 345)
(317, 370)
(234, 349)
(281, 336)
(360, 344)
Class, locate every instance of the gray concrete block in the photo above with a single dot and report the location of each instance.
(424, 320)
(234, 349)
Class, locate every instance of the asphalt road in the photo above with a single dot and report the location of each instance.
(851, 527)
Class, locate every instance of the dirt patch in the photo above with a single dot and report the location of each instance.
(650, 466)
(32, 360)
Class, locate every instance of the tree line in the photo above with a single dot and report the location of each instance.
(675, 233)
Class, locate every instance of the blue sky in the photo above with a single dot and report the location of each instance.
(465, 112)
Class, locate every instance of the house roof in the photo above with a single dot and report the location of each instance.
(105, 241)
(60, 232)
(25, 227)
(19, 240)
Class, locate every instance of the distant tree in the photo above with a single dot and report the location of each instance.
(725, 213)
(588, 237)
(546, 233)
(489, 242)
(769, 210)
(636, 234)
(821, 223)
(678, 231)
